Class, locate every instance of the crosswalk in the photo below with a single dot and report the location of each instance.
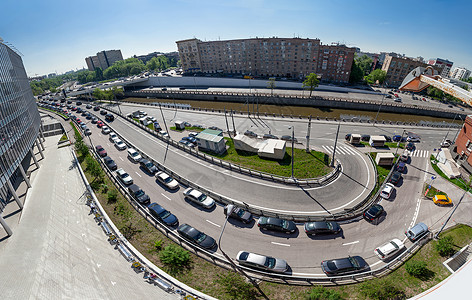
(345, 150)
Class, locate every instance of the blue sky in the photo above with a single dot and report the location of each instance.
(57, 35)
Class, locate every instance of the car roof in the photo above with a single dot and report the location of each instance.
(256, 258)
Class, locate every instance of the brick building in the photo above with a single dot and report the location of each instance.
(277, 57)
(103, 59)
(463, 145)
(397, 67)
(443, 65)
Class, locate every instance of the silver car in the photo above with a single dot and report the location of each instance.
(123, 176)
(119, 144)
(199, 198)
(262, 262)
(166, 180)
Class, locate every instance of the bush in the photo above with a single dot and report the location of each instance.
(322, 293)
(381, 290)
(158, 245)
(175, 258)
(235, 286)
(445, 246)
(417, 269)
(112, 196)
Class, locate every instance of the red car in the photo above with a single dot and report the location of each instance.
(102, 152)
(74, 108)
(78, 121)
(100, 124)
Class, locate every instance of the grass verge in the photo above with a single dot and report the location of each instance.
(306, 165)
(193, 128)
(382, 172)
(432, 192)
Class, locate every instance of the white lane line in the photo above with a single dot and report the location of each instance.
(417, 210)
(308, 274)
(339, 149)
(120, 158)
(326, 148)
(351, 243)
(280, 244)
(379, 262)
(166, 197)
(348, 149)
(138, 174)
(213, 223)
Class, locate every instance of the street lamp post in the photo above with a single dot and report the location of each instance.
(457, 205)
(375, 120)
(293, 141)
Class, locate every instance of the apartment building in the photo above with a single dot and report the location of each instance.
(463, 145)
(398, 67)
(278, 57)
(443, 66)
(460, 73)
(103, 59)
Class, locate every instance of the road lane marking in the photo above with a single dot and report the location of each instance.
(138, 174)
(166, 197)
(351, 243)
(120, 158)
(280, 244)
(213, 223)
(379, 262)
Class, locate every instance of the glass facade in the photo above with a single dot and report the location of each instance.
(19, 116)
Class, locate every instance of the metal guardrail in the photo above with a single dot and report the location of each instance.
(288, 279)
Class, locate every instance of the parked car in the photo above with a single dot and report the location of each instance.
(276, 224)
(237, 213)
(410, 146)
(442, 200)
(120, 145)
(199, 198)
(94, 120)
(109, 117)
(288, 138)
(387, 191)
(390, 249)
(373, 212)
(322, 227)
(88, 106)
(250, 133)
(166, 180)
(445, 144)
(417, 231)
(397, 138)
(147, 165)
(112, 137)
(365, 137)
(396, 176)
(270, 136)
(196, 236)
(262, 262)
(387, 138)
(134, 155)
(404, 157)
(96, 108)
(138, 194)
(87, 131)
(351, 264)
(347, 137)
(110, 163)
(101, 151)
(401, 167)
(162, 214)
(412, 139)
(123, 176)
(103, 112)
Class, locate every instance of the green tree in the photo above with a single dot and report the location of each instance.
(417, 269)
(356, 73)
(175, 258)
(271, 85)
(365, 64)
(99, 74)
(93, 167)
(376, 75)
(235, 286)
(381, 290)
(311, 82)
(98, 94)
(445, 246)
(322, 293)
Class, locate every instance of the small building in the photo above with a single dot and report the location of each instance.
(447, 164)
(211, 140)
(267, 148)
(355, 138)
(384, 159)
(377, 141)
(180, 125)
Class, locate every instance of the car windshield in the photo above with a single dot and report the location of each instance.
(285, 224)
(139, 193)
(134, 154)
(331, 265)
(380, 252)
(329, 225)
(168, 179)
(201, 237)
(270, 262)
(202, 197)
(240, 212)
(124, 175)
(354, 262)
(394, 245)
(110, 162)
(149, 164)
(164, 214)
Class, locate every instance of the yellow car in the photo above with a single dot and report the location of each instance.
(442, 200)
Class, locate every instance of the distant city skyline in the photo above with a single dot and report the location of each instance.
(54, 36)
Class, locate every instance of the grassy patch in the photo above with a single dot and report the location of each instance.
(75, 128)
(387, 145)
(63, 138)
(432, 191)
(198, 129)
(306, 165)
(455, 181)
(382, 172)
(56, 112)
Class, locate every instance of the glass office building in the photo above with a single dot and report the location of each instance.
(19, 121)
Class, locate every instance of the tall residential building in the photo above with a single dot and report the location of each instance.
(103, 59)
(443, 66)
(19, 126)
(281, 57)
(398, 67)
(460, 73)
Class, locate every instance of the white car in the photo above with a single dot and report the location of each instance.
(412, 139)
(123, 176)
(199, 198)
(134, 155)
(387, 191)
(164, 134)
(112, 137)
(105, 130)
(120, 145)
(390, 249)
(166, 180)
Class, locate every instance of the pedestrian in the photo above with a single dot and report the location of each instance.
(92, 208)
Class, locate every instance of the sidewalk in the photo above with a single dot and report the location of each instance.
(57, 250)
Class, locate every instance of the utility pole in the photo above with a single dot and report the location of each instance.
(165, 124)
(227, 126)
(308, 136)
(457, 205)
(232, 118)
(293, 141)
(335, 143)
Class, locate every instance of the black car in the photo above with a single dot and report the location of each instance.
(148, 166)
(138, 194)
(387, 138)
(322, 227)
(103, 112)
(410, 146)
(110, 163)
(96, 108)
(372, 213)
(351, 264)
(196, 236)
(69, 102)
(365, 137)
(109, 117)
(238, 213)
(395, 177)
(347, 137)
(162, 214)
(276, 224)
(79, 103)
